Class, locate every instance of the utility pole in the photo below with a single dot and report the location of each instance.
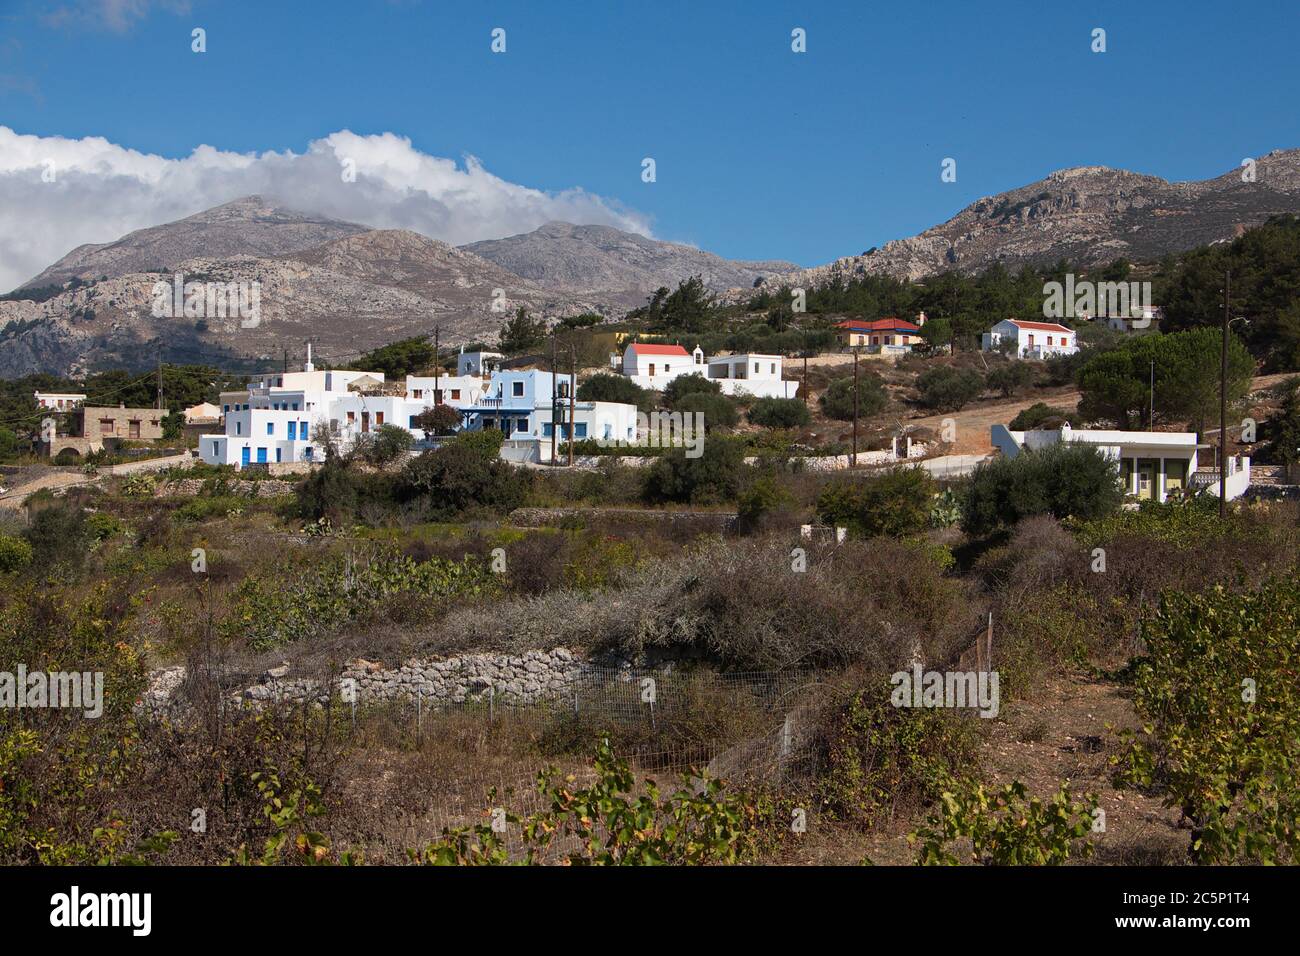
(1151, 414)
(1223, 399)
(160, 388)
(855, 407)
(437, 368)
(804, 383)
(554, 399)
(573, 399)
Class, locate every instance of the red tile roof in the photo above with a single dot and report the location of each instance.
(1041, 326)
(641, 348)
(879, 325)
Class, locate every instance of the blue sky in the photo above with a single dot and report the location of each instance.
(760, 152)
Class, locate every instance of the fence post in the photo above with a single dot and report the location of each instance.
(492, 696)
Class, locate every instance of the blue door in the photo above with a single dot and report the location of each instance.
(277, 455)
(261, 456)
(243, 456)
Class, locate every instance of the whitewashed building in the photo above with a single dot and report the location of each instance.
(1153, 465)
(654, 366)
(59, 401)
(1032, 340)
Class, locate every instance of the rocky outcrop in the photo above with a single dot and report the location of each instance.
(560, 255)
(1088, 215)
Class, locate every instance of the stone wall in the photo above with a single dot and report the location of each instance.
(522, 679)
(189, 487)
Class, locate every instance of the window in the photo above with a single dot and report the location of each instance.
(225, 408)
(106, 426)
(295, 406)
(581, 429)
(306, 452)
(755, 368)
(418, 393)
(522, 425)
(411, 423)
(455, 394)
(1049, 340)
(1175, 474)
(773, 368)
(352, 417)
(239, 428)
(261, 456)
(270, 428)
(517, 389)
(379, 418)
(278, 457)
(652, 368)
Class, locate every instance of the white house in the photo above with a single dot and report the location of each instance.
(519, 404)
(202, 413)
(1152, 464)
(59, 401)
(480, 364)
(1032, 339)
(654, 366)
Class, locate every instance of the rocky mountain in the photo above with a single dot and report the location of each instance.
(1088, 215)
(347, 295)
(601, 259)
(251, 226)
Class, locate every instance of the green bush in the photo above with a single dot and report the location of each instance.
(1039, 415)
(608, 387)
(949, 389)
(718, 410)
(1011, 378)
(894, 504)
(712, 477)
(837, 400)
(15, 554)
(57, 535)
(779, 413)
(464, 473)
(1218, 693)
(383, 446)
(1063, 480)
(684, 385)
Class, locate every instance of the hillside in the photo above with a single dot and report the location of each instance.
(1088, 215)
(563, 256)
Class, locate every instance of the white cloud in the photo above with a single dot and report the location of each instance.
(102, 190)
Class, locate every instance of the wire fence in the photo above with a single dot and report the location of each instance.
(753, 731)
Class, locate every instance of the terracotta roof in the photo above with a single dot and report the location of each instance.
(879, 325)
(1041, 326)
(642, 349)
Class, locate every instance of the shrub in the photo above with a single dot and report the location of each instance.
(462, 474)
(1218, 692)
(882, 760)
(1062, 480)
(383, 446)
(763, 496)
(607, 387)
(718, 410)
(1039, 415)
(57, 535)
(1006, 827)
(712, 477)
(949, 389)
(684, 385)
(779, 413)
(15, 554)
(894, 504)
(438, 420)
(837, 400)
(1011, 378)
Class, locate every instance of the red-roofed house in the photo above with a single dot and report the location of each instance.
(1030, 339)
(654, 366)
(880, 335)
